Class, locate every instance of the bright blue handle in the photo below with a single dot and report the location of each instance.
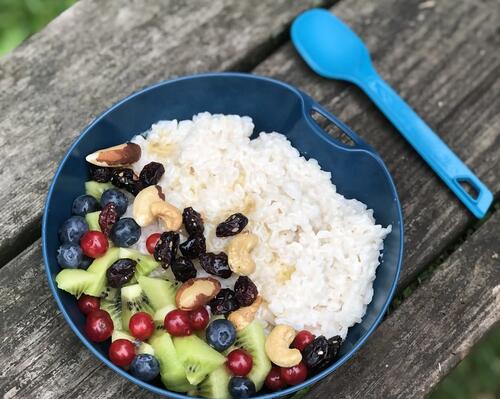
(430, 147)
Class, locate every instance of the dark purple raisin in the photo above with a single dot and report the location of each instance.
(108, 217)
(193, 222)
(151, 174)
(224, 303)
(183, 269)
(245, 290)
(335, 343)
(121, 272)
(193, 247)
(100, 174)
(126, 178)
(166, 248)
(232, 225)
(216, 264)
(318, 354)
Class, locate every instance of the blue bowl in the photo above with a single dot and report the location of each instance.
(358, 172)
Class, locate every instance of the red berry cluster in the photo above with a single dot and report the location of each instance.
(180, 323)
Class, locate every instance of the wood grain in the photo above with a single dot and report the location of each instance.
(445, 62)
(417, 345)
(94, 54)
(407, 355)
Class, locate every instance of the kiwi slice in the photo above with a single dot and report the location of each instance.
(133, 301)
(159, 316)
(172, 371)
(145, 263)
(252, 339)
(159, 292)
(215, 386)
(75, 281)
(199, 359)
(96, 189)
(113, 305)
(92, 219)
(143, 346)
(101, 265)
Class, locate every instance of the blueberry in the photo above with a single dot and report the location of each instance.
(73, 229)
(84, 204)
(221, 334)
(85, 263)
(116, 197)
(125, 232)
(69, 256)
(241, 387)
(145, 367)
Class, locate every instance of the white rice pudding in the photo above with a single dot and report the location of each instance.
(317, 252)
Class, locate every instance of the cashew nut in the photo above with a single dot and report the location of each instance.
(238, 253)
(196, 292)
(169, 215)
(118, 155)
(142, 205)
(244, 316)
(278, 347)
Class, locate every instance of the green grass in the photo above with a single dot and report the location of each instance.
(21, 18)
(477, 377)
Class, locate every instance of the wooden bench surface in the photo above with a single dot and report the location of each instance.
(442, 56)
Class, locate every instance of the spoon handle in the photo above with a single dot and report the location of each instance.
(427, 143)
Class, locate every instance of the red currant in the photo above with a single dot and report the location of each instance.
(274, 382)
(199, 318)
(177, 323)
(302, 339)
(141, 326)
(239, 362)
(98, 326)
(122, 352)
(94, 244)
(88, 303)
(294, 375)
(151, 242)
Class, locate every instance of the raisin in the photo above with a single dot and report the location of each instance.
(224, 303)
(232, 225)
(126, 179)
(193, 222)
(193, 247)
(100, 174)
(166, 248)
(183, 269)
(108, 217)
(121, 272)
(245, 290)
(318, 354)
(216, 264)
(335, 343)
(151, 174)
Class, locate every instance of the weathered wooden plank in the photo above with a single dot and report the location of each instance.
(417, 345)
(96, 53)
(444, 60)
(409, 353)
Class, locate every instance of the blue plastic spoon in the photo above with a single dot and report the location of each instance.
(334, 51)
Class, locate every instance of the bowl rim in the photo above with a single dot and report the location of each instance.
(164, 391)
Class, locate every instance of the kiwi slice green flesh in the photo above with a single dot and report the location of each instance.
(75, 281)
(92, 219)
(198, 358)
(252, 339)
(96, 189)
(114, 307)
(101, 265)
(145, 263)
(143, 346)
(215, 385)
(159, 316)
(171, 368)
(159, 292)
(133, 301)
